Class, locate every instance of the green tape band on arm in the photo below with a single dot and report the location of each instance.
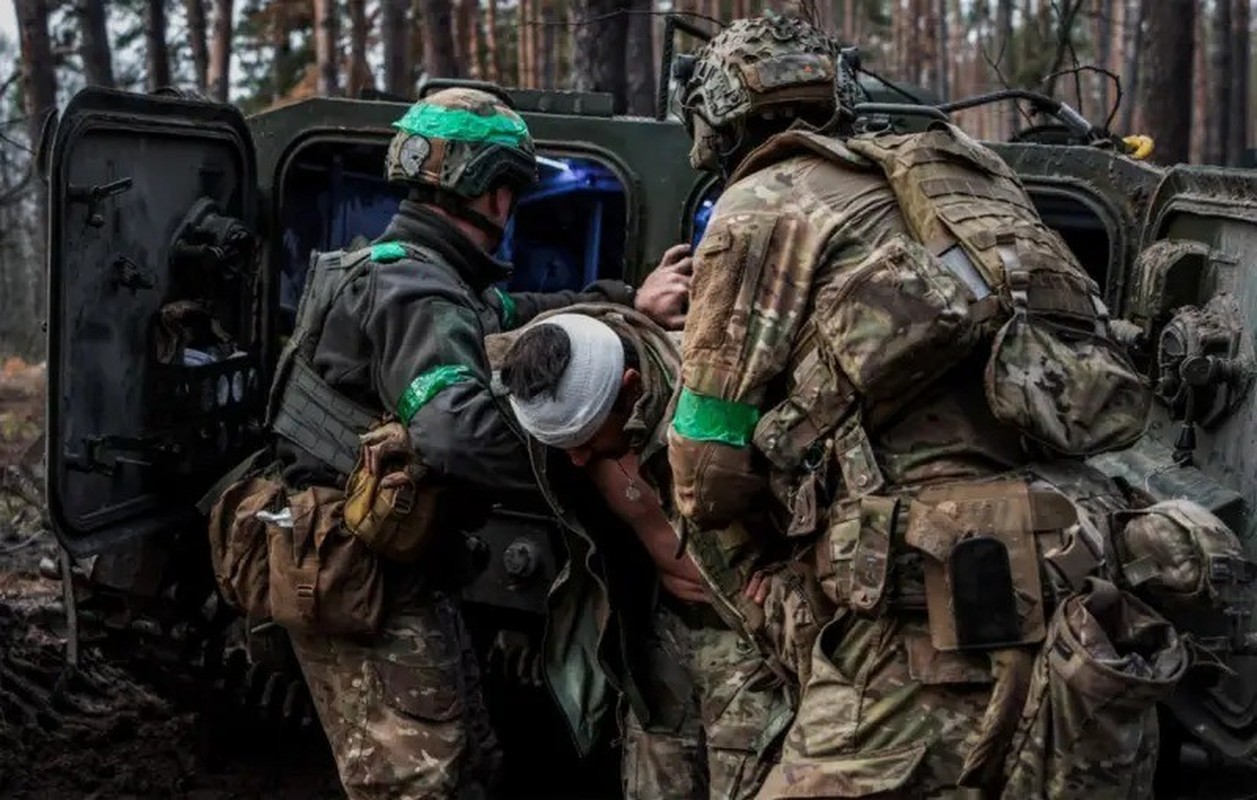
(710, 419)
(386, 252)
(425, 387)
(462, 125)
(507, 317)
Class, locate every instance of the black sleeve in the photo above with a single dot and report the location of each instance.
(431, 369)
(519, 308)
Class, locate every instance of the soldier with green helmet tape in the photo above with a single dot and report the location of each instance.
(385, 426)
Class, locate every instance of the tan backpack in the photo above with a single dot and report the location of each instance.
(1055, 371)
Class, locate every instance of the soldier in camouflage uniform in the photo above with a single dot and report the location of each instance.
(403, 710)
(701, 707)
(830, 374)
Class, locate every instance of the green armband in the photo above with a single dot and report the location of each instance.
(425, 387)
(710, 419)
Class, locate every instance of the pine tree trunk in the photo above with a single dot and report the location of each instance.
(548, 69)
(393, 34)
(1198, 133)
(640, 62)
(39, 92)
(493, 58)
(327, 47)
(282, 51)
(157, 55)
(359, 72)
(941, 54)
(1104, 47)
(475, 63)
(195, 10)
(1132, 66)
(464, 52)
(94, 48)
(220, 51)
(1238, 107)
(438, 39)
(1167, 77)
(598, 46)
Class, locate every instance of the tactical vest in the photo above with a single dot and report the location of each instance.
(302, 407)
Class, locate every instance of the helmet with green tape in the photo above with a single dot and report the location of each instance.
(463, 141)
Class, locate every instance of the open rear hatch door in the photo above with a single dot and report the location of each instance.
(154, 367)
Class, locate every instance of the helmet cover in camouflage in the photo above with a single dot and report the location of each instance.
(759, 66)
(464, 141)
(1181, 557)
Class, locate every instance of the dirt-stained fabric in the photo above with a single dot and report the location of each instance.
(404, 712)
(721, 737)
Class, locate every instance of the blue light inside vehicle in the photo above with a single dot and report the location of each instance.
(701, 217)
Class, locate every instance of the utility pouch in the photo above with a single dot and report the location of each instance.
(981, 561)
(1089, 725)
(855, 555)
(390, 504)
(322, 578)
(238, 543)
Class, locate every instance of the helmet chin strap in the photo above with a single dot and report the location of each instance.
(458, 207)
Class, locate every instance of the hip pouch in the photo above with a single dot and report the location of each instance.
(294, 562)
(391, 504)
(1090, 723)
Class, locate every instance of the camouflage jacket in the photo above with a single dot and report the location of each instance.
(800, 212)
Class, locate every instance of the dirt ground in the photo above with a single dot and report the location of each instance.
(110, 728)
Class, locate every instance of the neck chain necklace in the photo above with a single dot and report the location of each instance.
(631, 492)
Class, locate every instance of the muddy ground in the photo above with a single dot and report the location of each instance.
(114, 727)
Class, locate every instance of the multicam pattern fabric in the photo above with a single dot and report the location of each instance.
(404, 714)
(730, 712)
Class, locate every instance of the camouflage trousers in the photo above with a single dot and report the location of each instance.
(728, 712)
(885, 715)
(404, 713)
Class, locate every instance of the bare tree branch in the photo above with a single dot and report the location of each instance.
(1064, 39)
(999, 73)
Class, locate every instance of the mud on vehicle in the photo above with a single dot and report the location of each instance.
(179, 239)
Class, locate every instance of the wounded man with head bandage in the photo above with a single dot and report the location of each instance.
(700, 705)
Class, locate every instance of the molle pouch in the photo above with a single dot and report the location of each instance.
(981, 561)
(794, 435)
(238, 544)
(389, 503)
(853, 559)
(1089, 726)
(1055, 372)
(894, 323)
(1186, 563)
(323, 579)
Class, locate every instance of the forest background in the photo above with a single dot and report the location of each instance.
(1184, 68)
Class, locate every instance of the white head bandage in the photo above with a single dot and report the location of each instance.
(587, 390)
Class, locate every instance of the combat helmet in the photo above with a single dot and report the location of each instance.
(456, 144)
(760, 70)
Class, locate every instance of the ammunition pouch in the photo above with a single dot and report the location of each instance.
(1186, 563)
(972, 555)
(390, 503)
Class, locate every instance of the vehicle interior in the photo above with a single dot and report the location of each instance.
(568, 229)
